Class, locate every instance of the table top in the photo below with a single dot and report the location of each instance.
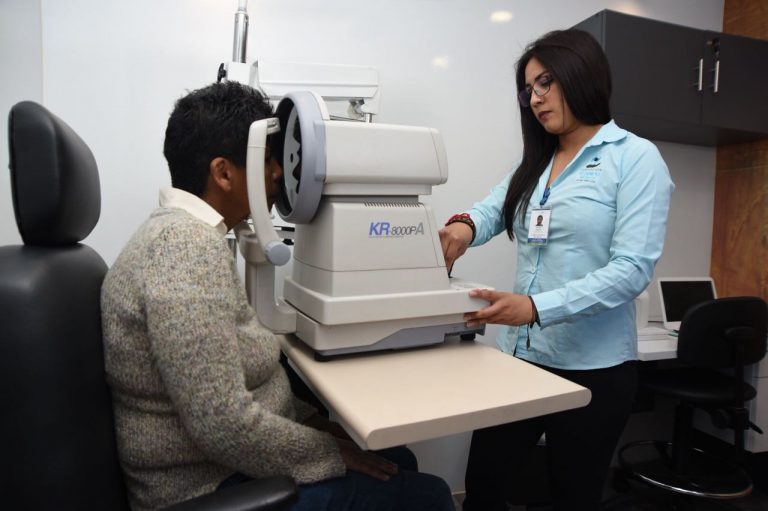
(657, 350)
(662, 346)
(394, 398)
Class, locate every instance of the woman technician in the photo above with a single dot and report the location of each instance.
(603, 195)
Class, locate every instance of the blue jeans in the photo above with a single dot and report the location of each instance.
(409, 490)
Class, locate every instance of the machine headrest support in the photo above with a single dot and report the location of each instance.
(54, 178)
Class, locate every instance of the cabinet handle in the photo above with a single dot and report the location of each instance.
(717, 76)
(701, 75)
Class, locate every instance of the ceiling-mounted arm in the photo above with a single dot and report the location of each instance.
(350, 92)
(238, 70)
(241, 32)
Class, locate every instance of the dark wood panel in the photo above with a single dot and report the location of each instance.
(739, 245)
(740, 228)
(748, 18)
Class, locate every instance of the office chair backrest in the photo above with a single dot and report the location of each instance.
(57, 427)
(726, 332)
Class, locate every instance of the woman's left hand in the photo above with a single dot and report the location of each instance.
(504, 309)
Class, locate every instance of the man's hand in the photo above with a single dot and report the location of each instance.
(455, 239)
(317, 421)
(354, 458)
(504, 309)
(365, 462)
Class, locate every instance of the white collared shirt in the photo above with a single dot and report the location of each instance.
(174, 198)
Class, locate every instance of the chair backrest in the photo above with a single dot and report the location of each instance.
(727, 332)
(59, 447)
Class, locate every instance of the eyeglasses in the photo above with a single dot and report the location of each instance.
(540, 88)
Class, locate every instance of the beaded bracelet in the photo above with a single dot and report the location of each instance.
(463, 218)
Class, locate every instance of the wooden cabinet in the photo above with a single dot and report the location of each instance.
(682, 84)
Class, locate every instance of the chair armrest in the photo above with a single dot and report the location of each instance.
(266, 494)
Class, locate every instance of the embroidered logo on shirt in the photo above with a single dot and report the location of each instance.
(591, 172)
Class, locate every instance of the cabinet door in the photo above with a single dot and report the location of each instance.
(655, 68)
(740, 102)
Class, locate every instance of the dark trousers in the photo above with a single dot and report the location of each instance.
(579, 445)
(407, 491)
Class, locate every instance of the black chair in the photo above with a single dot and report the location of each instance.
(59, 450)
(728, 333)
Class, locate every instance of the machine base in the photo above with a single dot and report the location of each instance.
(404, 339)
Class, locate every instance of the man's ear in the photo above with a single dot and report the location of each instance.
(221, 172)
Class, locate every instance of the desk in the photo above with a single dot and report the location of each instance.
(657, 350)
(662, 347)
(394, 398)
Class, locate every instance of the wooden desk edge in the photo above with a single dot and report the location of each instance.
(384, 437)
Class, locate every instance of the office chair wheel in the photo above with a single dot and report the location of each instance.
(467, 337)
(704, 476)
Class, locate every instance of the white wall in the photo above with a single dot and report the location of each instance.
(688, 245)
(22, 78)
(112, 70)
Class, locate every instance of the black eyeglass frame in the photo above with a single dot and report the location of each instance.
(540, 87)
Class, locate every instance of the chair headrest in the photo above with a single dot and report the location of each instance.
(54, 178)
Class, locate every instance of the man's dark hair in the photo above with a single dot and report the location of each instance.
(208, 123)
(577, 62)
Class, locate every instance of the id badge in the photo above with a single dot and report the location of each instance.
(538, 230)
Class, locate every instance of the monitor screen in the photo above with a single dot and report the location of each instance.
(679, 295)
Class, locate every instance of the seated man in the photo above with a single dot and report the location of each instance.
(200, 398)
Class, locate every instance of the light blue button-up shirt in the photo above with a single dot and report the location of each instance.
(606, 232)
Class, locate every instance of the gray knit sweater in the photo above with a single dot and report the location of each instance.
(197, 387)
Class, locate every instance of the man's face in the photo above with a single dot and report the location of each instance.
(272, 174)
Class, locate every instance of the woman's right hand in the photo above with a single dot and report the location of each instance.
(365, 462)
(455, 239)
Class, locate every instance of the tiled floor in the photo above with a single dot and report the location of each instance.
(760, 504)
(755, 502)
(640, 497)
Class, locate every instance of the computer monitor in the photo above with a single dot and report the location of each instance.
(678, 294)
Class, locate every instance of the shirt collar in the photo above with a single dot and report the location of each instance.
(194, 205)
(608, 132)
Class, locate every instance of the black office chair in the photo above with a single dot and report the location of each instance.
(56, 422)
(727, 333)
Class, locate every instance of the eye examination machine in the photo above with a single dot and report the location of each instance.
(368, 269)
